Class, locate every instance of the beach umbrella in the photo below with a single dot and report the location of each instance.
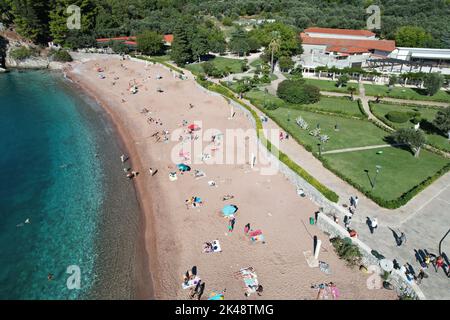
(193, 127)
(387, 265)
(183, 167)
(229, 210)
(216, 296)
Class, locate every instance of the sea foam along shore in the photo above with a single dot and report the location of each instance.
(174, 235)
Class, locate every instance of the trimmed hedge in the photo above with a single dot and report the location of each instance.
(398, 116)
(361, 108)
(394, 203)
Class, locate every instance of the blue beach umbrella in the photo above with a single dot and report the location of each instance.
(183, 167)
(229, 210)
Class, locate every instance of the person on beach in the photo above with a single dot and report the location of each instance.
(247, 228)
(355, 201)
(334, 290)
(201, 291)
(231, 224)
(439, 263)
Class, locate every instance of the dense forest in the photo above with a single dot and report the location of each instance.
(42, 20)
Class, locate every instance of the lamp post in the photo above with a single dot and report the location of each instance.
(320, 149)
(440, 242)
(378, 167)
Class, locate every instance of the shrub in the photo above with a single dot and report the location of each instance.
(416, 119)
(296, 91)
(62, 56)
(397, 116)
(347, 251)
(22, 53)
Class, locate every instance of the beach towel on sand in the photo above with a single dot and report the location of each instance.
(250, 279)
(255, 233)
(191, 283)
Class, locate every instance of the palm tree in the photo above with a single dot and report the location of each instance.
(274, 46)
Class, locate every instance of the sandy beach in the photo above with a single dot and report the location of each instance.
(173, 235)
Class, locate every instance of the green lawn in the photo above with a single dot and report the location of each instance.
(434, 138)
(256, 63)
(400, 171)
(405, 93)
(328, 104)
(327, 85)
(220, 63)
(352, 132)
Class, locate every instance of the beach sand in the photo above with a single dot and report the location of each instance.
(173, 234)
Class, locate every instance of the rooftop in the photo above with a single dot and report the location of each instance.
(348, 32)
(350, 45)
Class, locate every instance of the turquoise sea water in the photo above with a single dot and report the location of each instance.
(60, 168)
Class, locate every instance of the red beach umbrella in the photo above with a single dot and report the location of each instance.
(193, 127)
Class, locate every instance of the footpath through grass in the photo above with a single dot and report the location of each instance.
(400, 170)
(405, 93)
(403, 175)
(330, 86)
(427, 114)
(336, 105)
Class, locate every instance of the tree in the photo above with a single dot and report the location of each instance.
(119, 47)
(352, 91)
(342, 81)
(433, 83)
(199, 43)
(274, 46)
(393, 80)
(59, 30)
(241, 43)
(297, 73)
(286, 63)
(31, 18)
(290, 42)
(181, 51)
(296, 91)
(415, 139)
(442, 121)
(150, 43)
(410, 36)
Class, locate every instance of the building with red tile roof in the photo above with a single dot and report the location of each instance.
(342, 48)
(340, 32)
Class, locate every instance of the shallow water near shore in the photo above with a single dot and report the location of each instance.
(60, 168)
